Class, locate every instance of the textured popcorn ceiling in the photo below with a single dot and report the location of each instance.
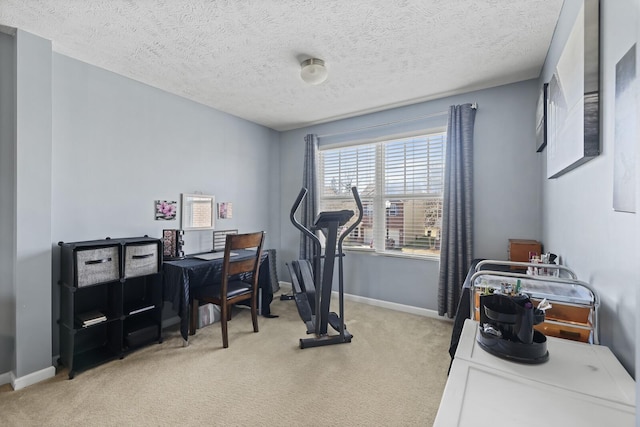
(243, 56)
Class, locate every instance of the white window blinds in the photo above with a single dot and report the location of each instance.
(400, 183)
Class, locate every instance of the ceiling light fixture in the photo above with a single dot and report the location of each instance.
(313, 71)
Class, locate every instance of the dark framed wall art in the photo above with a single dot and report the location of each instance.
(541, 118)
(573, 106)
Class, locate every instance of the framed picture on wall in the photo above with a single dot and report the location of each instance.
(626, 133)
(541, 119)
(573, 105)
(165, 210)
(225, 210)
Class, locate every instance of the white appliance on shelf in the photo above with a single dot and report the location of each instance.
(581, 384)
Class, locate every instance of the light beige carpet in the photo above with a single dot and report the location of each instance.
(391, 374)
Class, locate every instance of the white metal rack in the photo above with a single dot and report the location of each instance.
(567, 293)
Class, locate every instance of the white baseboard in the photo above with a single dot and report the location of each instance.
(384, 304)
(395, 306)
(32, 378)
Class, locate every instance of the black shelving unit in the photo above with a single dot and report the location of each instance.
(142, 311)
(110, 299)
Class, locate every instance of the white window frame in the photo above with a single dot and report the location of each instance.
(378, 201)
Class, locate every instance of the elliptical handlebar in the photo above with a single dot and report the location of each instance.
(308, 233)
(292, 217)
(356, 196)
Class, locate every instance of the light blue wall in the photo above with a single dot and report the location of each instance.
(601, 245)
(7, 202)
(25, 197)
(506, 179)
(33, 204)
(119, 145)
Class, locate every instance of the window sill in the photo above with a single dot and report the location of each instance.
(394, 255)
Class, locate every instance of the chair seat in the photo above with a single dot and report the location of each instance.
(234, 289)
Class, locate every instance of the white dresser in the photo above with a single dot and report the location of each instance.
(580, 385)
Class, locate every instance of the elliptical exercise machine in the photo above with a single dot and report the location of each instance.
(312, 294)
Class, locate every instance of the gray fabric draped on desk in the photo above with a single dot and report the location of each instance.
(183, 275)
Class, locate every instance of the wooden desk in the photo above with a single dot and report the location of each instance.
(580, 384)
(181, 276)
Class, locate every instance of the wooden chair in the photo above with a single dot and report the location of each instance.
(239, 282)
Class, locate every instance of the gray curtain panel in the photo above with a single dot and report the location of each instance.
(309, 204)
(457, 214)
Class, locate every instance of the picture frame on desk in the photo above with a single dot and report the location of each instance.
(220, 237)
(172, 244)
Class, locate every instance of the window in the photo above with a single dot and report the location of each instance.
(400, 182)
